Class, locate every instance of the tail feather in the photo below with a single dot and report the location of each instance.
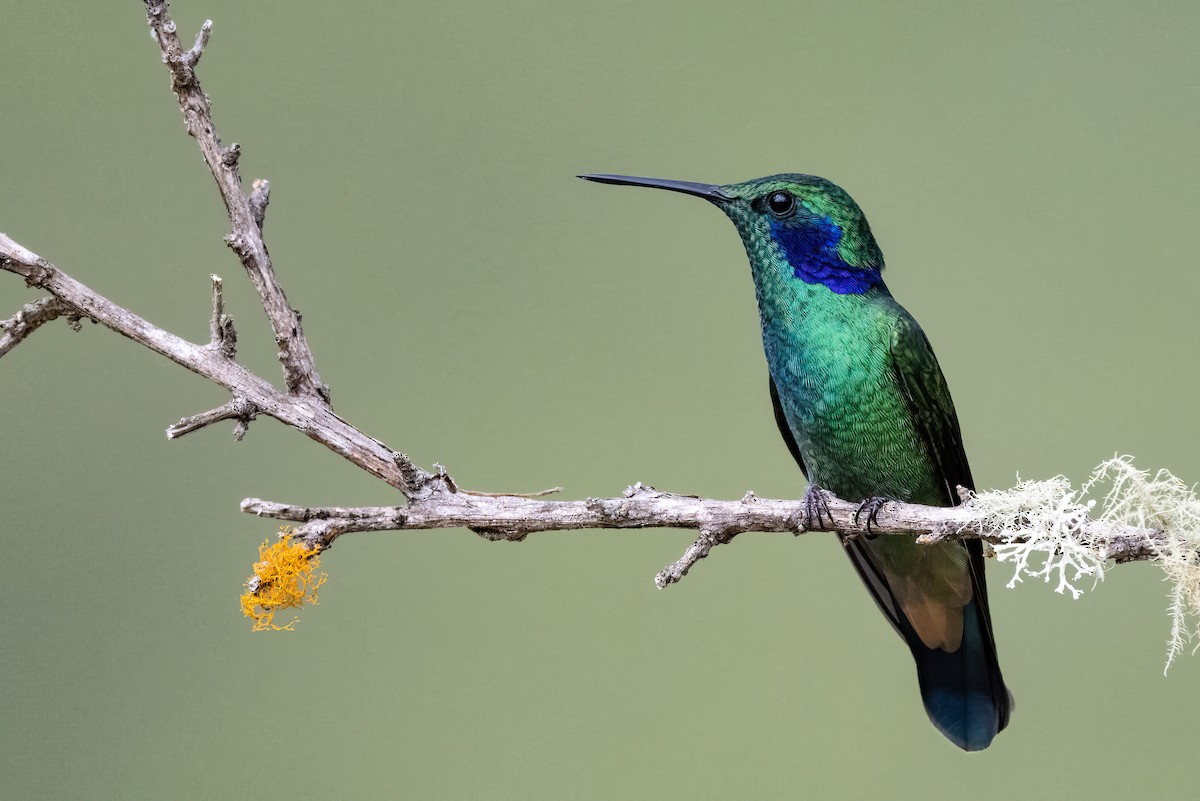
(963, 690)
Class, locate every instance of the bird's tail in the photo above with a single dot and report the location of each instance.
(963, 689)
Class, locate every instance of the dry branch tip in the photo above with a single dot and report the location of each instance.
(193, 55)
(236, 408)
(33, 316)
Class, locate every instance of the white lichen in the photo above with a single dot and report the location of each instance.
(1040, 525)
(1041, 529)
(1164, 502)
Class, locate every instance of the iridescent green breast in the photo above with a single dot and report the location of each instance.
(829, 356)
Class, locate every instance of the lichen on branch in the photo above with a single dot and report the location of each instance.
(285, 577)
(1043, 526)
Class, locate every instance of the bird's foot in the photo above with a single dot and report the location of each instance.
(871, 507)
(816, 508)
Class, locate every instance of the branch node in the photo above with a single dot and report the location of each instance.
(318, 535)
(501, 534)
(447, 483)
(231, 154)
(414, 482)
(260, 196)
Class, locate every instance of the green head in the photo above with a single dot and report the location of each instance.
(803, 226)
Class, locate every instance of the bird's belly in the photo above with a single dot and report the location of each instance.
(854, 429)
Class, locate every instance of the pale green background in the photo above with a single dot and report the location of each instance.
(1031, 173)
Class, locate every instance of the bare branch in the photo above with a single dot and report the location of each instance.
(513, 517)
(223, 336)
(237, 408)
(193, 55)
(698, 550)
(245, 237)
(31, 317)
(306, 413)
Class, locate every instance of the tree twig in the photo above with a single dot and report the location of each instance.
(245, 237)
(306, 413)
(222, 335)
(193, 55)
(33, 316)
(236, 408)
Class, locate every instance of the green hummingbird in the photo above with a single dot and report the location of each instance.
(864, 409)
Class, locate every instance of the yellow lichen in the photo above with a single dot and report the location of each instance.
(284, 577)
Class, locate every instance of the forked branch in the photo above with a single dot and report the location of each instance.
(245, 236)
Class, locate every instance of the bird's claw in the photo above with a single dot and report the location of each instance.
(871, 507)
(816, 507)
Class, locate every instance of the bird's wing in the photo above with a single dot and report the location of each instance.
(784, 429)
(970, 675)
(929, 405)
(932, 412)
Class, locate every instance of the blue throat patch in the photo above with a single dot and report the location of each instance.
(812, 251)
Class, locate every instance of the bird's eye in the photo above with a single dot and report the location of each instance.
(781, 203)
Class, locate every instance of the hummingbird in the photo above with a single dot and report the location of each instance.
(864, 409)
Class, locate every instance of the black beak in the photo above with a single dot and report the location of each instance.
(710, 192)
